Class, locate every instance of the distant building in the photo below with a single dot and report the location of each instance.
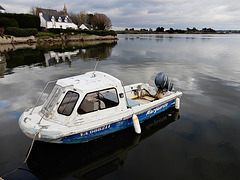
(50, 18)
(2, 10)
(83, 27)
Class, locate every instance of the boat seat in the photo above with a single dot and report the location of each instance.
(92, 105)
(101, 104)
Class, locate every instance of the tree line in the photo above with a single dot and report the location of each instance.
(171, 30)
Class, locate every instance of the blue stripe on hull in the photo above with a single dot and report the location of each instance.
(110, 128)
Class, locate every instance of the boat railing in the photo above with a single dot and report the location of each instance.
(42, 94)
(125, 94)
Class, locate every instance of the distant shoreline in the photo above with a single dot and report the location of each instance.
(197, 32)
(122, 32)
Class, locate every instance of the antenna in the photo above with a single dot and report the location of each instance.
(93, 75)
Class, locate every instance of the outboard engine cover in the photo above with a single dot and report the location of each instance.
(161, 81)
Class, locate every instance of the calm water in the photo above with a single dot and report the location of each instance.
(201, 141)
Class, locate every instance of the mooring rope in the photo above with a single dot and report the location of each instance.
(34, 138)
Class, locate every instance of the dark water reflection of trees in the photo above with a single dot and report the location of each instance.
(51, 54)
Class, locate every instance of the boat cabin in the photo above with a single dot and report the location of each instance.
(82, 96)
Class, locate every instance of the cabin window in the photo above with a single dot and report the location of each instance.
(98, 101)
(68, 103)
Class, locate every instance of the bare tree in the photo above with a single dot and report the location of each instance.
(33, 10)
(101, 22)
(83, 17)
(74, 18)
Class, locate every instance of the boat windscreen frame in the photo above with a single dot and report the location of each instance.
(51, 101)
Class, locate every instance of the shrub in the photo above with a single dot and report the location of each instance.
(79, 31)
(23, 20)
(66, 31)
(56, 31)
(28, 21)
(21, 32)
(8, 22)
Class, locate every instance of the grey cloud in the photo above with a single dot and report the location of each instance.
(218, 14)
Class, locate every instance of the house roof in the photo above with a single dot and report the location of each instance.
(49, 17)
(1, 8)
(48, 11)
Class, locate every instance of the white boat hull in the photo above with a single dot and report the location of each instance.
(88, 106)
(70, 135)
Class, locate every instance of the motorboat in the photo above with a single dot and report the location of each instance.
(88, 106)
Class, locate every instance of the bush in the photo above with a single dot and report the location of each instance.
(23, 20)
(8, 22)
(56, 31)
(79, 31)
(21, 32)
(28, 21)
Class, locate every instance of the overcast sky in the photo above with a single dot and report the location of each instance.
(177, 14)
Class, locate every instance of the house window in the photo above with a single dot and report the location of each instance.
(66, 20)
(59, 19)
(68, 103)
(52, 19)
(99, 100)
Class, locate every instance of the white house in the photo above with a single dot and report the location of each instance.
(2, 10)
(53, 21)
(83, 27)
(50, 18)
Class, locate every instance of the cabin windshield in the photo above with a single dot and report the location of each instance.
(51, 100)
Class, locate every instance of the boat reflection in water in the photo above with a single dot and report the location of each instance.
(96, 158)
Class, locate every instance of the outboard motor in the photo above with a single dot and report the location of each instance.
(162, 83)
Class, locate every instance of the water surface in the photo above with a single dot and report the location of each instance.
(202, 144)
